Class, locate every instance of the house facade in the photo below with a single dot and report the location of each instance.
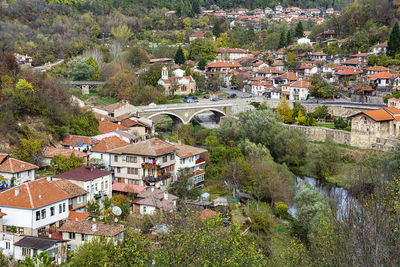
(150, 162)
(183, 85)
(15, 171)
(99, 152)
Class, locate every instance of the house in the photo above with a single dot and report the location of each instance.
(375, 69)
(50, 152)
(304, 41)
(99, 153)
(32, 246)
(107, 127)
(384, 79)
(380, 48)
(329, 11)
(268, 72)
(154, 199)
(14, 171)
(369, 126)
(285, 78)
(176, 85)
(222, 66)
(192, 158)
(124, 136)
(122, 188)
(196, 35)
(258, 88)
(297, 90)
(77, 142)
(34, 208)
(23, 59)
(278, 9)
(139, 126)
(96, 182)
(318, 56)
(78, 232)
(394, 102)
(308, 70)
(120, 108)
(232, 54)
(150, 162)
(353, 62)
(77, 196)
(278, 64)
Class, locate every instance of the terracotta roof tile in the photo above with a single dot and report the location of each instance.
(74, 140)
(289, 75)
(151, 147)
(106, 127)
(185, 151)
(207, 214)
(128, 188)
(232, 64)
(269, 70)
(301, 84)
(377, 69)
(383, 75)
(32, 195)
(3, 156)
(77, 216)
(86, 227)
(71, 189)
(51, 152)
(392, 110)
(379, 115)
(11, 165)
(108, 143)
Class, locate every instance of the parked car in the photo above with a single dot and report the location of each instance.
(206, 96)
(194, 97)
(246, 96)
(232, 95)
(216, 99)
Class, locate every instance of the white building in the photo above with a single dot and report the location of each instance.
(97, 182)
(77, 142)
(298, 90)
(15, 171)
(153, 199)
(33, 208)
(192, 158)
(99, 151)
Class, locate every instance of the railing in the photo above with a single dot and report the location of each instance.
(153, 178)
(148, 165)
(201, 160)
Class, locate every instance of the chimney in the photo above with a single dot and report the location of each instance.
(165, 195)
(152, 189)
(40, 196)
(16, 192)
(94, 227)
(91, 168)
(48, 179)
(76, 219)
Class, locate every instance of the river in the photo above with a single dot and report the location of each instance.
(339, 195)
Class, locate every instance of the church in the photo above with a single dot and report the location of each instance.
(177, 85)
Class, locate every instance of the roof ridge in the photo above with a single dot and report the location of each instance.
(30, 195)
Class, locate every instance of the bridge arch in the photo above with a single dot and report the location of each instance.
(175, 118)
(217, 112)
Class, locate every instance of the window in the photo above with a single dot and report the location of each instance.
(101, 156)
(131, 159)
(71, 235)
(83, 236)
(37, 215)
(118, 170)
(60, 208)
(87, 188)
(102, 186)
(26, 252)
(29, 172)
(63, 207)
(106, 186)
(52, 211)
(172, 157)
(43, 213)
(92, 188)
(144, 209)
(115, 158)
(164, 159)
(8, 245)
(21, 231)
(132, 170)
(79, 199)
(96, 187)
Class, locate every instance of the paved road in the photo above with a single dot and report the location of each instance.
(237, 92)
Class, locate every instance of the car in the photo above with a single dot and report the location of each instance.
(206, 96)
(216, 99)
(232, 95)
(246, 96)
(194, 97)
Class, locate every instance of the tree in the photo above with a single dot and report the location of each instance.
(179, 56)
(79, 70)
(340, 123)
(92, 253)
(301, 118)
(223, 40)
(394, 41)
(121, 33)
(180, 187)
(282, 40)
(202, 63)
(91, 62)
(321, 112)
(203, 48)
(285, 113)
(196, 7)
(24, 98)
(299, 30)
(137, 56)
(320, 88)
(85, 123)
(60, 164)
(217, 29)
(30, 150)
(289, 38)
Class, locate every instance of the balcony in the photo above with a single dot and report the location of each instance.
(147, 165)
(201, 160)
(148, 179)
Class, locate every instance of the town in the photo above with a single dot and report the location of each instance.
(191, 133)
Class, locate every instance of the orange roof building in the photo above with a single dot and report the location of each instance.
(34, 205)
(107, 127)
(15, 171)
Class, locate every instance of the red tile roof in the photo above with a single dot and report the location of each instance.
(348, 72)
(353, 61)
(384, 75)
(379, 115)
(3, 156)
(73, 140)
(11, 165)
(32, 195)
(86, 227)
(232, 64)
(51, 152)
(151, 147)
(84, 173)
(128, 188)
(377, 69)
(291, 76)
(269, 70)
(77, 216)
(207, 214)
(106, 127)
(108, 143)
(185, 151)
(301, 84)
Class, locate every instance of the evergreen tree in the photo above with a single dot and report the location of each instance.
(202, 63)
(289, 38)
(299, 31)
(394, 41)
(179, 11)
(179, 56)
(196, 7)
(217, 29)
(282, 40)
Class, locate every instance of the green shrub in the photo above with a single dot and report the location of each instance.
(281, 209)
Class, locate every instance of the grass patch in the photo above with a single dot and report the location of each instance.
(93, 97)
(332, 126)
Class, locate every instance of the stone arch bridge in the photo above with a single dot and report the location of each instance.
(184, 113)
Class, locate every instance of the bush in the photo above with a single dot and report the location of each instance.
(340, 123)
(281, 209)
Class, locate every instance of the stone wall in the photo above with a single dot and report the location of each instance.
(344, 137)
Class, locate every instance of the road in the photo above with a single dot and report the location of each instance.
(237, 92)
